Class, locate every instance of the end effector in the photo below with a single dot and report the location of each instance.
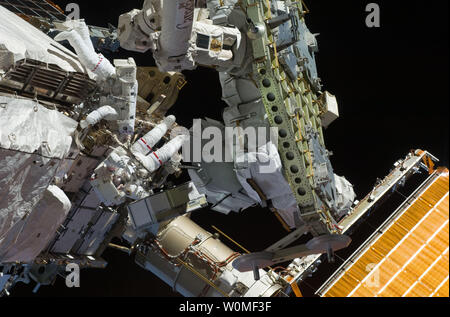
(163, 28)
(139, 29)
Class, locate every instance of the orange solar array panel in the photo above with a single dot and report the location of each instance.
(411, 257)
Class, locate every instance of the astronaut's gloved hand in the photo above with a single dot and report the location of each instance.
(78, 36)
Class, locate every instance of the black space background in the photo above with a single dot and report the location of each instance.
(392, 87)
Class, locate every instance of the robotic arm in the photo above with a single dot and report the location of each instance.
(139, 29)
(181, 36)
(156, 27)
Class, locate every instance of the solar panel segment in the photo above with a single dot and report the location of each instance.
(35, 8)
